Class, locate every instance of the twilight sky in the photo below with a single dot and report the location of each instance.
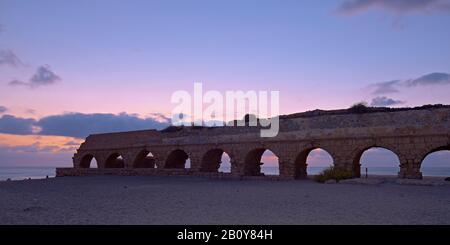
(70, 68)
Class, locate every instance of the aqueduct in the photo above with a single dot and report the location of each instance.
(411, 133)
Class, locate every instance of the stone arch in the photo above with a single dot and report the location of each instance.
(301, 164)
(236, 155)
(86, 160)
(359, 155)
(144, 159)
(176, 159)
(356, 160)
(212, 159)
(115, 160)
(445, 148)
(436, 149)
(252, 162)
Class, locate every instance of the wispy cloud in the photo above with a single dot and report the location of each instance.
(3, 109)
(385, 101)
(386, 87)
(43, 76)
(30, 111)
(430, 79)
(352, 7)
(8, 57)
(34, 148)
(159, 117)
(394, 86)
(17, 82)
(72, 143)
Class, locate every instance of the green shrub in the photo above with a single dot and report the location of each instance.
(333, 173)
(171, 129)
(359, 108)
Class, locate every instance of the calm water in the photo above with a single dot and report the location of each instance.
(18, 173)
(426, 171)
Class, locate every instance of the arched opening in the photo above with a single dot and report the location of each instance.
(436, 162)
(312, 161)
(225, 165)
(216, 160)
(177, 159)
(115, 160)
(260, 162)
(377, 161)
(145, 159)
(88, 161)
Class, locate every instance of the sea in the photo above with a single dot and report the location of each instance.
(426, 171)
(20, 173)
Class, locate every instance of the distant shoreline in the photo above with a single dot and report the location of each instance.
(35, 172)
(370, 180)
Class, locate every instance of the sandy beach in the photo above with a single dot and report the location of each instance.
(188, 200)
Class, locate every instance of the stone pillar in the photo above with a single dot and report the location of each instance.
(160, 155)
(343, 163)
(410, 169)
(76, 160)
(356, 170)
(237, 165)
(160, 161)
(237, 155)
(196, 160)
(301, 171)
(129, 156)
(101, 159)
(287, 167)
(344, 160)
(342, 153)
(410, 156)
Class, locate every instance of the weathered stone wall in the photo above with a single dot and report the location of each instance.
(410, 134)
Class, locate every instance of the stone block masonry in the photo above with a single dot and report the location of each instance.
(411, 133)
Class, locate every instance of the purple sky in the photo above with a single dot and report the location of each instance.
(70, 68)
